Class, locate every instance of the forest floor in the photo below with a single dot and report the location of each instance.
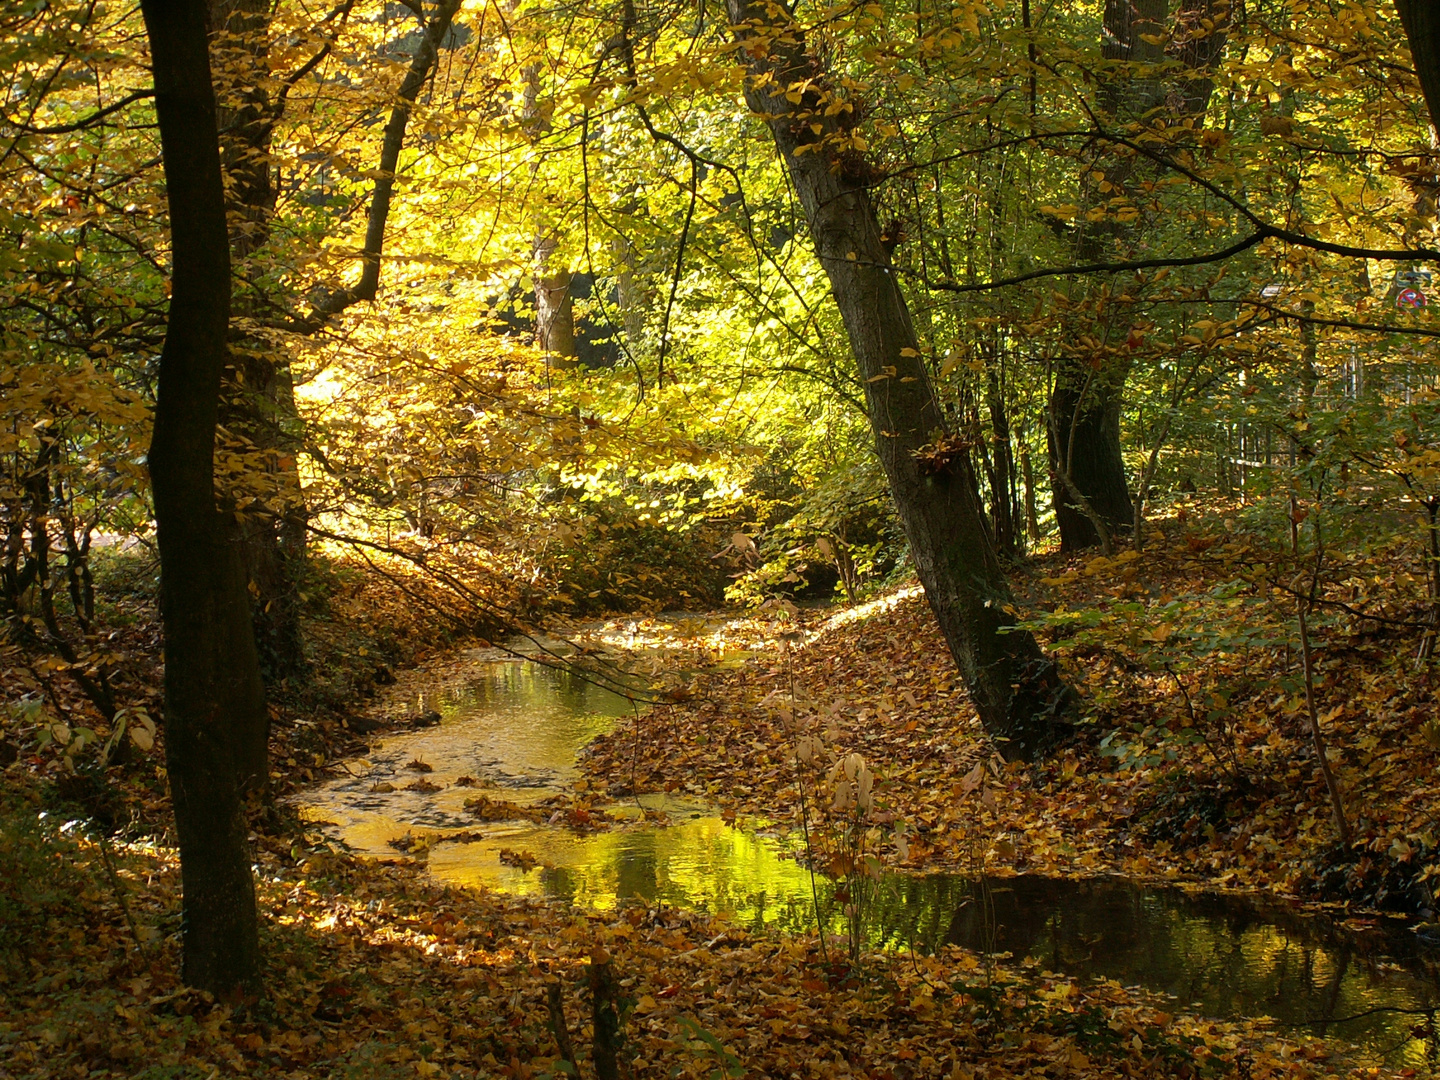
(374, 970)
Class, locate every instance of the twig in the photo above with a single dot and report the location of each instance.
(1307, 659)
(556, 1002)
(805, 824)
(120, 893)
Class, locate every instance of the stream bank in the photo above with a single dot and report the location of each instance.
(493, 796)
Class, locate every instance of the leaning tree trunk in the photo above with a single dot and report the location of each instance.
(214, 700)
(1092, 499)
(1016, 689)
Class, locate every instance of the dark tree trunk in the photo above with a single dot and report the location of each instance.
(1085, 449)
(1016, 689)
(214, 700)
(1421, 20)
(258, 404)
(1008, 539)
(1086, 468)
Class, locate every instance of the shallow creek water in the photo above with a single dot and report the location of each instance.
(517, 727)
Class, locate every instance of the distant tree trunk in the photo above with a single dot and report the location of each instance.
(554, 308)
(214, 700)
(632, 313)
(1092, 498)
(1027, 474)
(1016, 689)
(1008, 539)
(1085, 450)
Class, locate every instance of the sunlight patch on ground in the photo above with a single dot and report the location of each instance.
(871, 608)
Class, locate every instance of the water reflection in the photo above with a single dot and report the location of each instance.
(1219, 955)
(516, 730)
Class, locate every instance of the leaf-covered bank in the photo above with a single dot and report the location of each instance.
(1194, 760)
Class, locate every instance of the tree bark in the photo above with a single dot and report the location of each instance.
(1092, 500)
(258, 404)
(214, 700)
(555, 318)
(1016, 689)
(1421, 20)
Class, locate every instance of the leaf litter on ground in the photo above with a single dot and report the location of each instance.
(374, 970)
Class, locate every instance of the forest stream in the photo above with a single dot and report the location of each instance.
(511, 730)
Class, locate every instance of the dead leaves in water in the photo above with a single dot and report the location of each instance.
(487, 809)
(523, 861)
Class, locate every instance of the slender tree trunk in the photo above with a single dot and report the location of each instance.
(1008, 539)
(214, 700)
(421, 65)
(1016, 689)
(554, 306)
(1027, 474)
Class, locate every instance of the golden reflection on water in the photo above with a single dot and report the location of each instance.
(698, 863)
(516, 730)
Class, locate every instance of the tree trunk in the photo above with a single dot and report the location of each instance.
(1008, 539)
(1087, 470)
(554, 309)
(214, 700)
(258, 406)
(1016, 689)
(628, 293)
(1421, 20)
(1027, 474)
(1084, 442)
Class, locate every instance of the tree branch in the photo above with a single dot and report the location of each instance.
(420, 67)
(80, 125)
